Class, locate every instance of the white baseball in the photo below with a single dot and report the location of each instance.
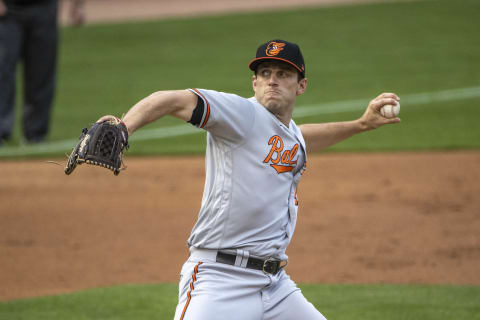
(390, 111)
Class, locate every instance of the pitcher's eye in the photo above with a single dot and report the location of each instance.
(285, 74)
(265, 72)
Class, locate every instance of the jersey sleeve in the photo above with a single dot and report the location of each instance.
(225, 115)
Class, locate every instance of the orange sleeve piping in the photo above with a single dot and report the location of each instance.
(207, 114)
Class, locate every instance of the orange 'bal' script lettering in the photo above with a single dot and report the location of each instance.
(282, 161)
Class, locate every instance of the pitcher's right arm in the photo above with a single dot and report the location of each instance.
(177, 103)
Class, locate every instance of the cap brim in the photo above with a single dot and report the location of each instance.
(255, 62)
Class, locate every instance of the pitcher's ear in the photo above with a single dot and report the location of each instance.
(302, 86)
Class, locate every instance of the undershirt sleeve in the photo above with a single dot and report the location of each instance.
(197, 114)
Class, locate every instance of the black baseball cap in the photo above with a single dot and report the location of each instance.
(279, 50)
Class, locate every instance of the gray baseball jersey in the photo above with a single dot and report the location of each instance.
(253, 166)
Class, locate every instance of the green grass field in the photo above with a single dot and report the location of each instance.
(345, 302)
(352, 52)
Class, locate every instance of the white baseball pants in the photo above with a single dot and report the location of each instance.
(209, 290)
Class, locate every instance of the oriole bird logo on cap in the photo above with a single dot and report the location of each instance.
(274, 48)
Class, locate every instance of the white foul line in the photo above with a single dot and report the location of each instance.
(300, 112)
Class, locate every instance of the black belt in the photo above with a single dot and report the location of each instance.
(272, 266)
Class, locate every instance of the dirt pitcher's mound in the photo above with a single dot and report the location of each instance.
(397, 218)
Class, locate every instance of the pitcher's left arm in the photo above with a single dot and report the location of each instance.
(319, 136)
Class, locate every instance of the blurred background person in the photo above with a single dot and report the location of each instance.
(29, 34)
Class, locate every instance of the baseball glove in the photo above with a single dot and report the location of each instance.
(101, 145)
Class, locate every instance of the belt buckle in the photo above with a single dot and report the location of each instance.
(267, 266)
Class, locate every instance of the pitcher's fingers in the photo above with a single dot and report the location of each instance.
(388, 95)
(393, 120)
(377, 104)
(106, 118)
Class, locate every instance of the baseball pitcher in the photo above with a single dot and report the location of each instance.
(255, 157)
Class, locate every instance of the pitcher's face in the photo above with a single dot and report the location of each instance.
(276, 86)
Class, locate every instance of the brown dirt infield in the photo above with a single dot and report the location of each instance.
(364, 218)
(105, 11)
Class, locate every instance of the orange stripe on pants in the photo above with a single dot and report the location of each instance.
(189, 293)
